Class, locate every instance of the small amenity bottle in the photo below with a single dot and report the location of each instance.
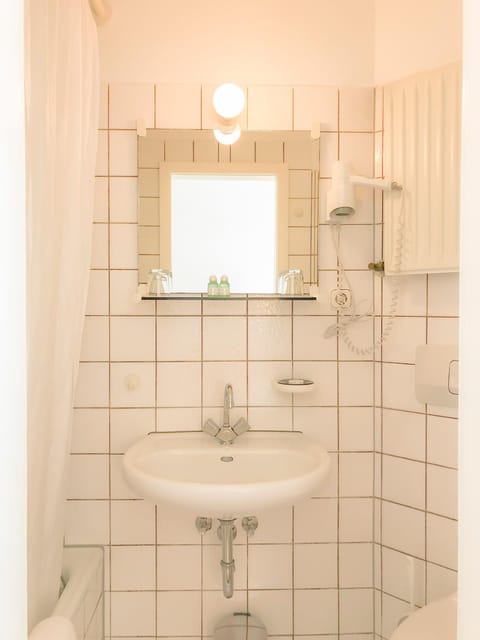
(213, 288)
(224, 287)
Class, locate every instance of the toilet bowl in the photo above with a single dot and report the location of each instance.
(435, 621)
(240, 626)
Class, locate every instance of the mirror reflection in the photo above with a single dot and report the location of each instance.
(249, 211)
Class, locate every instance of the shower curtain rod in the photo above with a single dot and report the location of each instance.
(101, 10)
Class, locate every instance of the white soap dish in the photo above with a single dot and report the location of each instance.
(294, 385)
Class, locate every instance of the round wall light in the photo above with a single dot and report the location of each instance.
(228, 100)
(227, 138)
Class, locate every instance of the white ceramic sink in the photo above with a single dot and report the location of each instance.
(194, 471)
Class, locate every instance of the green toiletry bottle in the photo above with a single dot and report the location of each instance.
(213, 288)
(224, 287)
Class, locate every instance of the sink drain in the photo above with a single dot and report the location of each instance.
(226, 459)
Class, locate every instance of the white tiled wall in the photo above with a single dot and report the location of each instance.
(416, 450)
(308, 571)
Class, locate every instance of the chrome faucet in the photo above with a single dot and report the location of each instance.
(226, 434)
(227, 405)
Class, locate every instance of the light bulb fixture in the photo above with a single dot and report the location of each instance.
(228, 103)
(227, 137)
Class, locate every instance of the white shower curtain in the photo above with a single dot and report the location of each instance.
(61, 107)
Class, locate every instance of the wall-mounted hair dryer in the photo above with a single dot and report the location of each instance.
(340, 197)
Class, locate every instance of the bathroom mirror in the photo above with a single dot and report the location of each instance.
(249, 210)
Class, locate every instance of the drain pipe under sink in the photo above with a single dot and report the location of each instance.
(227, 532)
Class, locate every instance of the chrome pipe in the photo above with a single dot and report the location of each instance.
(227, 532)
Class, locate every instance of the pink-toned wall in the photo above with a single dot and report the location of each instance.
(412, 36)
(253, 42)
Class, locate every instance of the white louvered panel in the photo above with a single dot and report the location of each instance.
(422, 152)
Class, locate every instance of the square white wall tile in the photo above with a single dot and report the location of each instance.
(123, 199)
(90, 431)
(178, 384)
(399, 387)
(319, 423)
(441, 582)
(442, 441)
(356, 109)
(316, 520)
(87, 522)
(324, 374)
(123, 153)
(123, 287)
(266, 418)
(95, 339)
(315, 566)
(316, 611)
(403, 529)
(398, 569)
(314, 105)
(274, 608)
(130, 102)
(270, 566)
(442, 541)
(224, 338)
(276, 526)
(92, 385)
(443, 294)
(356, 565)
(403, 481)
(88, 477)
(270, 108)
(178, 106)
(442, 490)
(171, 609)
(355, 520)
(356, 383)
(132, 339)
(132, 568)
(404, 434)
(132, 522)
(216, 375)
(129, 425)
(123, 247)
(178, 338)
(179, 419)
(179, 567)
(175, 526)
(356, 610)
(261, 391)
(356, 429)
(355, 474)
(357, 150)
(132, 384)
(406, 335)
(412, 296)
(140, 624)
(309, 342)
(270, 338)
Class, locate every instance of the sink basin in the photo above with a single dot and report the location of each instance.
(194, 471)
